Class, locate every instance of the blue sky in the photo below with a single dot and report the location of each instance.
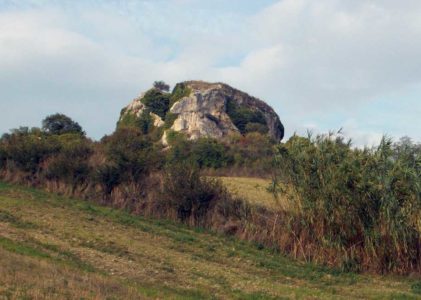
(322, 64)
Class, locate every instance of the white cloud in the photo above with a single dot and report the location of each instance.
(361, 136)
(338, 53)
(311, 60)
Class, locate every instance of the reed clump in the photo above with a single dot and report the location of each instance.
(362, 207)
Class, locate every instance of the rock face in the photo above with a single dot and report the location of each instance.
(216, 110)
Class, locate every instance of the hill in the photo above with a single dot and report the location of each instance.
(54, 247)
(201, 109)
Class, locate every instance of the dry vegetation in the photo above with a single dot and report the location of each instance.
(57, 248)
(355, 209)
(255, 191)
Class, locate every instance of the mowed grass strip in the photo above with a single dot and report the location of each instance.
(54, 247)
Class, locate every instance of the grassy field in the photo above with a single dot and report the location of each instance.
(255, 191)
(57, 248)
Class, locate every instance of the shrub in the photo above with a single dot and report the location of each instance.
(189, 194)
(132, 153)
(157, 102)
(145, 122)
(205, 152)
(252, 152)
(180, 149)
(180, 91)
(3, 157)
(26, 149)
(127, 120)
(241, 116)
(175, 137)
(71, 163)
(208, 153)
(108, 176)
(161, 85)
(256, 127)
(169, 120)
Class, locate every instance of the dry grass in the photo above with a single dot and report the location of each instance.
(29, 277)
(255, 191)
(55, 248)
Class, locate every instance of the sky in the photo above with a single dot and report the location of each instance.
(322, 65)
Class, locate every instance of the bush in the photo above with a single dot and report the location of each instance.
(179, 91)
(26, 149)
(127, 120)
(241, 116)
(181, 147)
(109, 177)
(256, 127)
(71, 163)
(169, 120)
(252, 152)
(145, 122)
(3, 157)
(132, 153)
(157, 102)
(161, 85)
(208, 153)
(205, 152)
(189, 194)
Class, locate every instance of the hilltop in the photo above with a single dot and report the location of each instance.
(201, 109)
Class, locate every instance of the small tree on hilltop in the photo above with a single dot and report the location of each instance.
(161, 85)
(61, 124)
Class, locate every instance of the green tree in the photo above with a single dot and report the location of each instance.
(157, 102)
(161, 85)
(61, 124)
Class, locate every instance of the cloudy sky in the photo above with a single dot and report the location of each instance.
(321, 64)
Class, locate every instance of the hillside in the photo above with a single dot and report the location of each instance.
(53, 247)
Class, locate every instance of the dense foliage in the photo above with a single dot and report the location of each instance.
(189, 194)
(61, 124)
(157, 102)
(161, 85)
(179, 91)
(25, 149)
(364, 204)
(71, 163)
(245, 119)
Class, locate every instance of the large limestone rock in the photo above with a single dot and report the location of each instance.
(201, 109)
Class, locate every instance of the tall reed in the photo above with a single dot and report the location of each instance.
(364, 204)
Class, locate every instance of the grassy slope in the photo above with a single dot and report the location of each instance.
(53, 247)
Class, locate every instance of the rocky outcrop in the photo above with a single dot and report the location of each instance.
(201, 109)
